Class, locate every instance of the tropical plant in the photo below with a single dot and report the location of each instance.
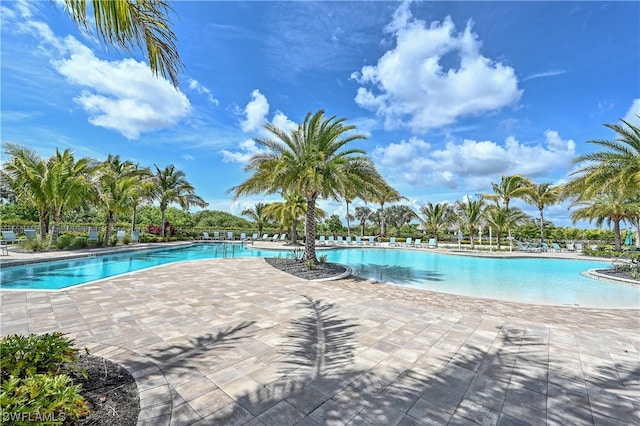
(68, 184)
(470, 214)
(117, 184)
(398, 215)
(257, 214)
(363, 214)
(26, 174)
(618, 167)
(382, 196)
(503, 219)
(515, 186)
(437, 217)
(314, 161)
(612, 208)
(127, 23)
(142, 193)
(290, 212)
(541, 195)
(171, 186)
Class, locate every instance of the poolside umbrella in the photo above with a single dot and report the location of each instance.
(629, 240)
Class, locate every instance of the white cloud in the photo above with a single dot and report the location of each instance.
(248, 149)
(473, 164)
(281, 121)
(255, 112)
(544, 74)
(121, 95)
(188, 157)
(631, 115)
(413, 86)
(198, 87)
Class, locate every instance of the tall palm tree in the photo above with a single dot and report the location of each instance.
(290, 212)
(617, 167)
(437, 217)
(611, 207)
(68, 185)
(128, 23)
(502, 219)
(25, 174)
(315, 161)
(142, 193)
(383, 196)
(542, 195)
(470, 213)
(515, 186)
(171, 186)
(257, 214)
(398, 215)
(363, 214)
(116, 188)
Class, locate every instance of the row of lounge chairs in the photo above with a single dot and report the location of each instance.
(528, 247)
(409, 242)
(243, 237)
(9, 237)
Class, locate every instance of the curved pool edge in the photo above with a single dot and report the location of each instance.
(593, 273)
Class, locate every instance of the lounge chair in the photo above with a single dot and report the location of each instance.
(243, 236)
(205, 236)
(392, 242)
(556, 247)
(340, 239)
(254, 237)
(570, 247)
(417, 242)
(372, 240)
(408, 242)
(322, 240)
(93, 236)
(4, 249)
(120, 235)
(135, 236)
(30, 234)
(231, 236)
(431, 243)
(10, 237)
(359, 240)
(283, 237)
(331, 239)
(349, 240)
(216, 235)
(275, 237)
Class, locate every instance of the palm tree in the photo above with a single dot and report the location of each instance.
(117, 185)
(257, 214)
(171, 186)
(604, 171)
(363, 214)
(69, 183)
(383, 196)
(503, 219)
(143, 192)
(437, 217)
(290, 212)
(128, 23)
(618, 166)
(398, 215)
(510, 187)
(314, 161)
(541, 195)
(470, 213)
(26, 174)
(611, 207)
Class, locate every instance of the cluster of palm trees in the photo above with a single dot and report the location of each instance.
(62, 183)
(312, 162)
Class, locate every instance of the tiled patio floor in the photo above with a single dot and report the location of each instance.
(234, 341)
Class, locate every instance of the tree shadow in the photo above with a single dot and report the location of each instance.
(395, 274)
(511, 380)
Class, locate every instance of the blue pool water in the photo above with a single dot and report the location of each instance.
(523, 280)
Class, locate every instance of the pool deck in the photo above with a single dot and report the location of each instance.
(235, 341)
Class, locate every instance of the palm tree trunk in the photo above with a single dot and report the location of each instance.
(541, 226)
(471, 231)
(383, 225)
(294, 232)
(617, 244)
(636, 221)
(348, 225)
(133, 218)
(162, 217)
(310, 237)
(42, 219)
(108, 222)
(55, 230)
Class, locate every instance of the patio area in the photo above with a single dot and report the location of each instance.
(235, 341)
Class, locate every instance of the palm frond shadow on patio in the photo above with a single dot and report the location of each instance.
(506, 380)
(181, 356)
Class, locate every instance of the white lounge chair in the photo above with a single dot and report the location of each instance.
(417, 242)
(93, 236)
(331, 239)
(359, 240)
(392, 242)
(275, 237)
(431, 243)
(348, 240)
(120, 235)
(340, 239)
(135, 236)
(408, 242)
(230, 236)
(283, 237)
(322, 240)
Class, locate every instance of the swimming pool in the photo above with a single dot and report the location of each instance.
(523, 280)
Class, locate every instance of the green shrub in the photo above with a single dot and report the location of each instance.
(22, 356)
(41, 399)
(34, 245)
(310, 264)
(322, 258)
(297, 253)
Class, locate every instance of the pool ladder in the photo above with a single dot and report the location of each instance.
(224, 248)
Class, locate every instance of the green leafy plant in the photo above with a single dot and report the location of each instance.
(310, 264)
(297, 253)
(42, 398)
(322, 258)
(22, 356)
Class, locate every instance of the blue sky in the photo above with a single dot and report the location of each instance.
(451, 95)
